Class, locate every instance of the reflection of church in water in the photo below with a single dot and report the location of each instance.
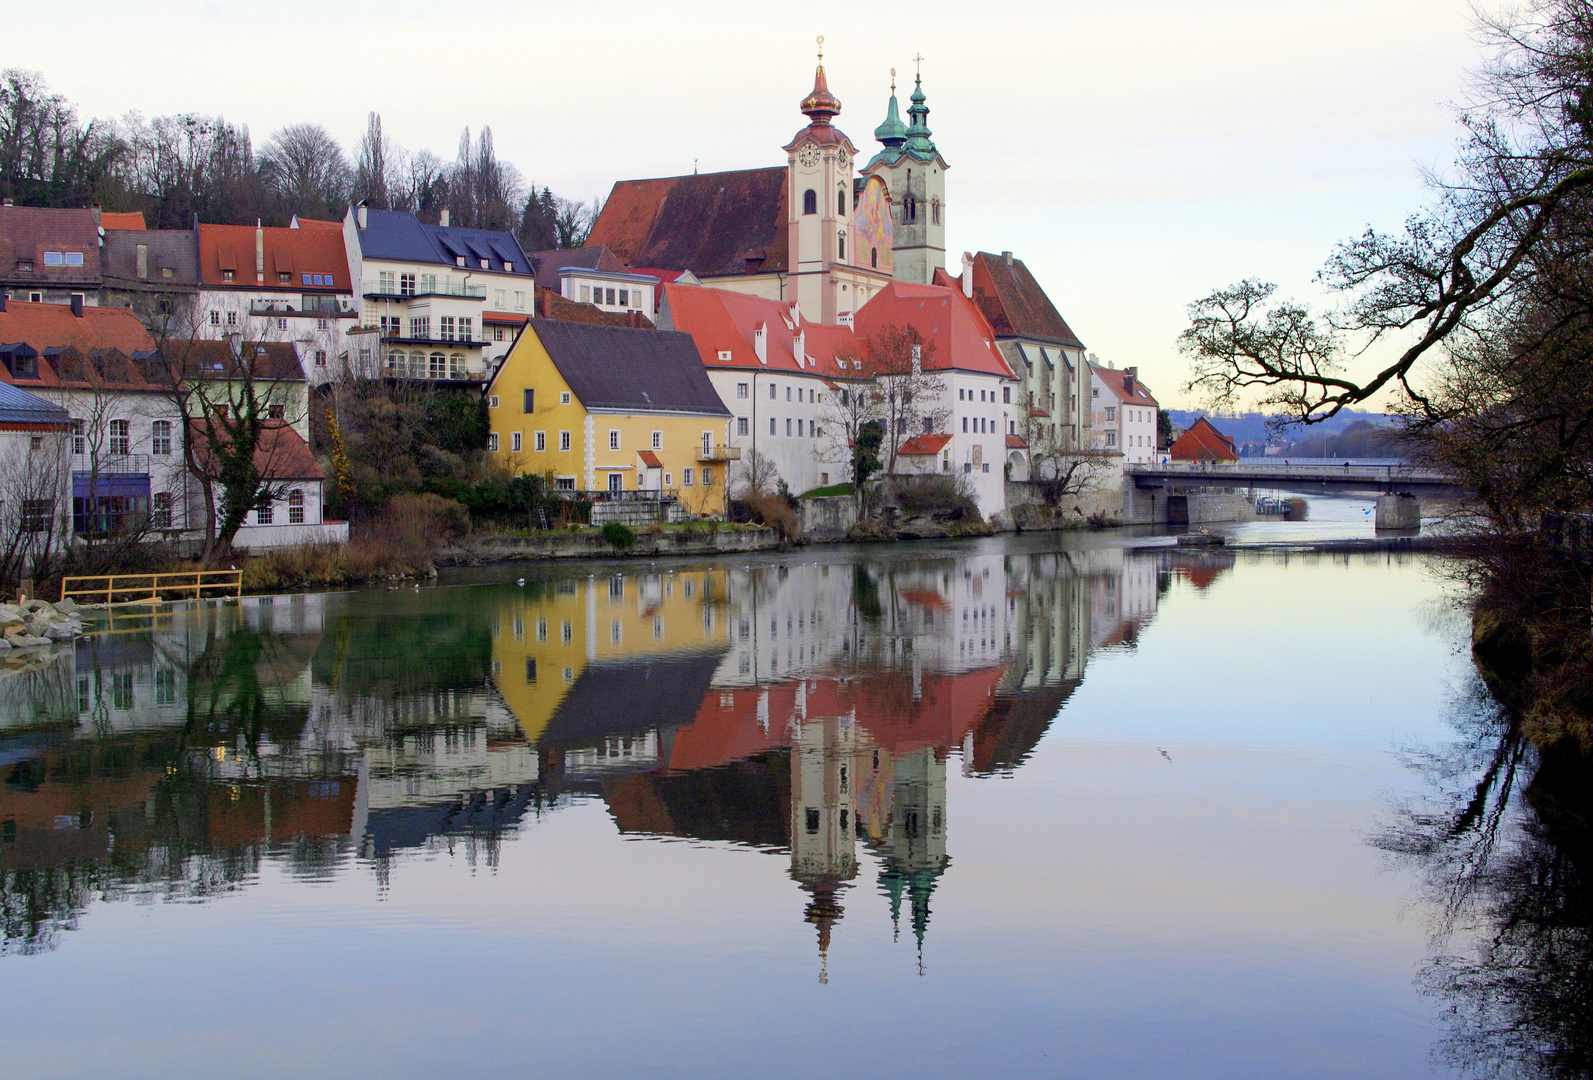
(812, 709)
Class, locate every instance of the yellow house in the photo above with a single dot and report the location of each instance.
(546, 643)
(611, 409)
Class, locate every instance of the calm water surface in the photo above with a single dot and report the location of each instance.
(1031, 807)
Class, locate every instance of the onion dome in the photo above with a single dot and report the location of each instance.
(892, 132)
(820, 105)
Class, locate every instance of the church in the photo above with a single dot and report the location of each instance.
(824, 231)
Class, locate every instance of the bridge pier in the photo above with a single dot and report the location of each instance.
(1398, 513)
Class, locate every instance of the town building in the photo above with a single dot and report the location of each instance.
(35, 476)
(437, 302)
(914, 175)
(276, 285)
(1053, 388)
(1202, 442)
(1123, 415)
(594, 275)
(778, 374)
(49, 256)
(153, 271)
(611, 410)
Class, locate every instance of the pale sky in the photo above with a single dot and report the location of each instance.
(1135, 155)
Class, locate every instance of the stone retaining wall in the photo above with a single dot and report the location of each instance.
(555, 545)
(828, 518)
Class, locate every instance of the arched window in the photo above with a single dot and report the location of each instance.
(909, 209)
(840, 200)
(395, 363)
(873, 257)
(840, 248)
(439, 366)
(810, 201)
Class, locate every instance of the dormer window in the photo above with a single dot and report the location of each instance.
(459, 260)
(229, 275)
(284, 279)
(52, 258)
(508, 267)
(810, 201)
(485, 265)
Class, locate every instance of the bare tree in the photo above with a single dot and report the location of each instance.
(908, 395)
(305, 168)
(756, 474)
(849, 421)
(35, 493)
(373, 167)
(1058, 470)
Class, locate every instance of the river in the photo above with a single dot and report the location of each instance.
(1030, 806)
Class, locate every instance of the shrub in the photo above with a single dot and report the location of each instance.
(939, 494)
(621, 536)
(776, 512)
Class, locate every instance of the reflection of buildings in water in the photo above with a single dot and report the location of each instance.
(1123, 596)
(545, 638)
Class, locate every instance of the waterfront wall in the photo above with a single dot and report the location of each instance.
(1158, 506)
(828, 518)
(584, 545)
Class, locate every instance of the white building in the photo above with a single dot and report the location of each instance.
(444, 303)
(1123, 414)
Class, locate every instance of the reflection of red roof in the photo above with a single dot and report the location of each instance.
(928, 598)
(924, 445)
(1016, 442)
(650, 459)
(112, 220)
(1203, 442)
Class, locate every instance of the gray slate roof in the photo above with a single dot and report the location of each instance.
(174, 249)
(400, 236)
(20, 407)
(616, 367)
(548, 263)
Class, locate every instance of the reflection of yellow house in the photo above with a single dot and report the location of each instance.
(607, 408)
(541, 645)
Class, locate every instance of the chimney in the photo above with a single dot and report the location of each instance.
(760, 342)
(967, 275)
(361, 216)
(799, 341)
(442, 219)
(1129, 375)
(97, 210)
(143, 262)
(259, 253)
(77, 305)
(1006, 257)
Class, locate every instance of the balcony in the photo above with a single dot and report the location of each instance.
(110, 464)
(429, 340)
(719, 453)
(394, 290)
(317, 308)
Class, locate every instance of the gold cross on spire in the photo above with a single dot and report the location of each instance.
(821, 49)
(918, 63)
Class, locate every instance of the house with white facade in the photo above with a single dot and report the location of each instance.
(1123, 414)
(594, 275)
(279, 285)
(442, 303)
(35, 473)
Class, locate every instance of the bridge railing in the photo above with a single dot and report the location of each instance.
(1379, 471)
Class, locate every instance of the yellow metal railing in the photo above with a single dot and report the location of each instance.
(148, 588)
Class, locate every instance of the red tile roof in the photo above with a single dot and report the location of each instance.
(282, 453)
(962, 338)
(1203, 442)
(1125, 384)
(1016, 442)
(708, 224)
(924, 445)
(27, 232)
(1015, 304)
(112, 220)
(294, 252)
(720, 321)
(318, 223)
(45, 326)
(650, 459)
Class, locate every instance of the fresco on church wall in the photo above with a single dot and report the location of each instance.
(873, 224)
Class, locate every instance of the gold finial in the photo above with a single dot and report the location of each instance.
(893, 80)
(918, 63)
(821, 50)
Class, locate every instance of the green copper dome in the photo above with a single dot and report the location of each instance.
(892, 132)
(918, 140)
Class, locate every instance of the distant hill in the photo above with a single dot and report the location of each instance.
(1352, 433)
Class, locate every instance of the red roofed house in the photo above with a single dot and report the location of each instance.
(49, 256)
(294, 514)
(1044, 353)
(976, 402)
(1203, 442)
(278, 285)
(1123, 415)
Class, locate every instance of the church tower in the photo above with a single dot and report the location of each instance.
(820, 160)
(915, 174)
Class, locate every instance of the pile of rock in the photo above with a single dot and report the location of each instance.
(38, 622)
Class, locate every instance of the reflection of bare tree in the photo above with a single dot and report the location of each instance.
(1507, 867)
